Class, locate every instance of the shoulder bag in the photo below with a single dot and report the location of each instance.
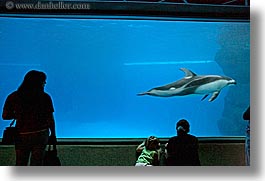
(10, 134)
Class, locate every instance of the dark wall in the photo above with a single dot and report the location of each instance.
(234, 58)
(211, 154)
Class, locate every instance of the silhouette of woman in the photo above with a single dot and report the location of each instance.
(33, 110)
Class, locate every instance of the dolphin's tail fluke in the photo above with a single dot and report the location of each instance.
(142, 94)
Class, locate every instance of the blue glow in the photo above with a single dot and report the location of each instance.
(167, 63)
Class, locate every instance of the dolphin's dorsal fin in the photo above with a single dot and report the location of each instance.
(188, 73)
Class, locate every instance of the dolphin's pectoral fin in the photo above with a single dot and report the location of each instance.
(204, 97)
(214, 96)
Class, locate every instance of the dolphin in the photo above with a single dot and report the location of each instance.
(192, 84)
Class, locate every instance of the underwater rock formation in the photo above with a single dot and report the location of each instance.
(234, 58)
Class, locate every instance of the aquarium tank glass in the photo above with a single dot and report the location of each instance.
(96, 67)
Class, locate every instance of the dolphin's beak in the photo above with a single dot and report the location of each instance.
(233, 82)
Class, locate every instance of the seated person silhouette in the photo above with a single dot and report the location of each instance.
(182, 150)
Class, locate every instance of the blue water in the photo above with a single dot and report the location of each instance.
(95, 68)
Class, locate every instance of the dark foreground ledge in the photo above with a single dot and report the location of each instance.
(213, 151)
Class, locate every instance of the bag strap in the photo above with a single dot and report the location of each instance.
(53, 146)
(12, 123)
